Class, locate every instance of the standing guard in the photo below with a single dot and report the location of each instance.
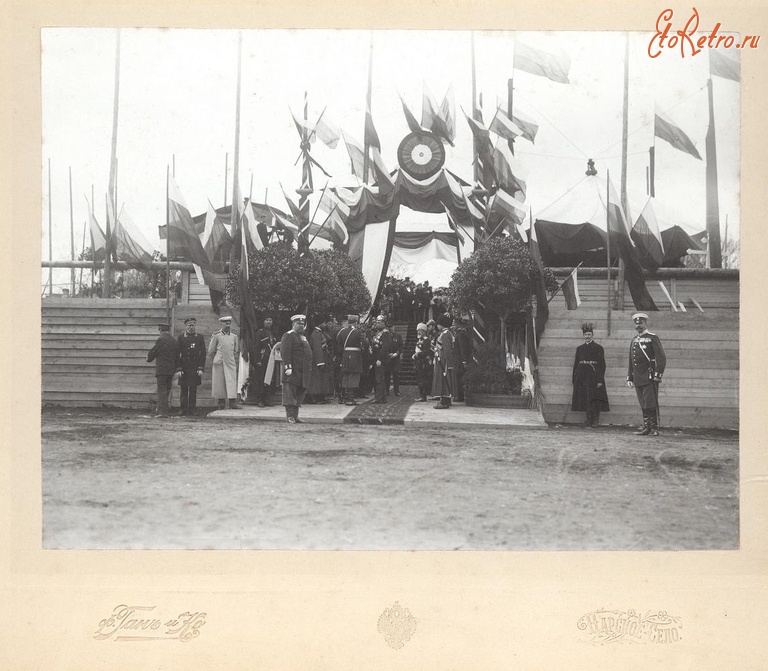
(190, 362)
(647, 362)
(263, 385)
(380, 345)
(350, 341)
(297, 367)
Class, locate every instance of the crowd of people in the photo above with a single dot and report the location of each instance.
(406, 301)
(347, 361)
(321, 363)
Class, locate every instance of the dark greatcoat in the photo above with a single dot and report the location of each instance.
(445, 362)
(264, 342)
(321, 362)
(164, 355)
(295, 352)
(191, 358)
(588, 372)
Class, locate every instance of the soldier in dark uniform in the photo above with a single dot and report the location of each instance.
(588, 379)
(351, 341)
(647, 362)
(164, 355)
(464, 354)
(395, 358)
(380, 344)
(444, 372)
(190, 361)
(297, 367)
(422, 361)
(264, 342)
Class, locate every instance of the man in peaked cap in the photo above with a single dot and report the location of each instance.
(264, 384)
(647, 362)
(350, 341)
(164, 355)
(296, 354)
(380, 345)
(224, 350)
(190, 361)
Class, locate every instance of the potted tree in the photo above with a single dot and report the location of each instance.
(498, 277)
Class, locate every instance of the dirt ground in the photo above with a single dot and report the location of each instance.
(117, 479)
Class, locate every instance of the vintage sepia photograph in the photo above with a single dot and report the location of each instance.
(392, 290)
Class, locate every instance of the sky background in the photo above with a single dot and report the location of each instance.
(178, 92)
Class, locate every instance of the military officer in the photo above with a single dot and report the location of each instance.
(190, 361)
(351, 341)
(647, 362)
(265, 341)
(224, 350)
(395, 360)
(164, 355)
(380, 345)
(296, 353)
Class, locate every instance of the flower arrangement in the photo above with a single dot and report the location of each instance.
(490, 373)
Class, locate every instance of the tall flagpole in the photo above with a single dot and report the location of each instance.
(368, 96)
(624, 140)
(235, 217)
(71, 232)
(107, 288)
(50, 232)
(226, 169)
(713, 201)
(167, 244)
(608, 240)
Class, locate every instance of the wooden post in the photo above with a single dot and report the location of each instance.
(167, 244)
(50, 231)
(608, 242)
(71, 233)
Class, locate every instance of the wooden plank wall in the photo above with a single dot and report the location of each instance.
(701, 382)
(94, 351)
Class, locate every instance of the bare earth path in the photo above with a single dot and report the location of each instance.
(120, 480)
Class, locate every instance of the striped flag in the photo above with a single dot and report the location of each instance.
(183, 237)
(722, 66)
(668, 131)
(570, 289)
(410, 119)
(647, 238)
(371, 137)
(525, 124)
(502, 125)
(98, 239)
(356, 155)
(554, 66)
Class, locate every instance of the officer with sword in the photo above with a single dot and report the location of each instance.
(647, 362)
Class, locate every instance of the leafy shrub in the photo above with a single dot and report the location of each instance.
(488, 373)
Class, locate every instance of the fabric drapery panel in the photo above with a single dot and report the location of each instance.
(414, 240)
(434, 248)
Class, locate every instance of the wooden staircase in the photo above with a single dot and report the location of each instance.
(700, 387)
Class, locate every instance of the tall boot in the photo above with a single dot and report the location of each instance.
(646, 425)
(588, 421)
(595, 418)
(289, 414)
(296, 415)
(653, 422)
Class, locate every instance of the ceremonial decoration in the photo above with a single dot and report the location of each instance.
(421, 154)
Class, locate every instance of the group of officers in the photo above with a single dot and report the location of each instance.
(343, 361)
(348, 360)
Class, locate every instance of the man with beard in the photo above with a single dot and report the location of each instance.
(191, 362)
(647, 362)
(265, 341)
(297, 367)
(589, 392)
